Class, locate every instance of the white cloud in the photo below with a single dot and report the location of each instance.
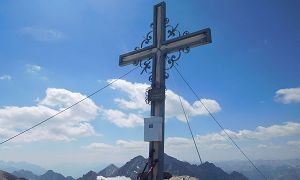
(5, 77)
(135, 92)
(136, 96)
(100, 146)
(42, 34)
(121, 119)
(172, 144)
(268, 146)
(31, 68)
(62, 98)
(132, 145)
(183, 143)
(219, 141)
(264, 133)
(66, 126)
(173, 107)
(120, 152)
(289, 95)
(262, 146)
(119, 146)
(294, 143)
(175, 141)
(260, 133)
(212, 146)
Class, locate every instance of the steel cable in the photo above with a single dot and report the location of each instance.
(216, 121)
(69, 107)
(187, 120)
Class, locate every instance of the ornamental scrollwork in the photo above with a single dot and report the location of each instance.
(173, 32)
(146, 65)
(171, 58)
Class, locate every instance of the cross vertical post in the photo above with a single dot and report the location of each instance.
(158, 82)
(158, 52)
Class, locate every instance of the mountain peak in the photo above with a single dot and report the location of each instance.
(7, 176)
(91, 175)
(50, 172)
(25, 174)
(50, 175)
(207, 165)
(109, 171)
(112, 166)
(138, 158)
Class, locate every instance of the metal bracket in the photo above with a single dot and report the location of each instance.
(156, 94)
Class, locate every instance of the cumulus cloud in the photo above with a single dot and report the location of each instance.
(66, 126)
(61, 98)
(260, 133)
(141, 147)
(31, 68)
(173, 107)
(120, 151)
(213, 145)
(121, 119)
(182, 143)
(264, 133)
(5, 77)
(132, 145)
(213, 140)
(58, 99)
(42, 34)
(134, 101)
(100, 146)
(136, 95)
(294, 143)
(287, 96)
(119, 146)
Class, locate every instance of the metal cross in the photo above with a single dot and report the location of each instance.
(158, 52)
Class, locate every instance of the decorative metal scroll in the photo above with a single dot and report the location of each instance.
(171, 59)
(146, 65)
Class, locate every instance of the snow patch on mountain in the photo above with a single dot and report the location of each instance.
(112, 178)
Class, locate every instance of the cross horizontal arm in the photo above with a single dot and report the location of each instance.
(138, 55)
(197, 38)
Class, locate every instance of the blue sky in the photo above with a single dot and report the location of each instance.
(52, 53)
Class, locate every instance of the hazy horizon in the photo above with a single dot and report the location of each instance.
(78, 171)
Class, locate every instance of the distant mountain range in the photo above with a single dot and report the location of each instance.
(206, 171)
(15, 166)
(7, 176)
(274, 170)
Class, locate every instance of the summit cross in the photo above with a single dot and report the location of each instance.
(158, 52)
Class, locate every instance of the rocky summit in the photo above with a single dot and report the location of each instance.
(207, 171)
